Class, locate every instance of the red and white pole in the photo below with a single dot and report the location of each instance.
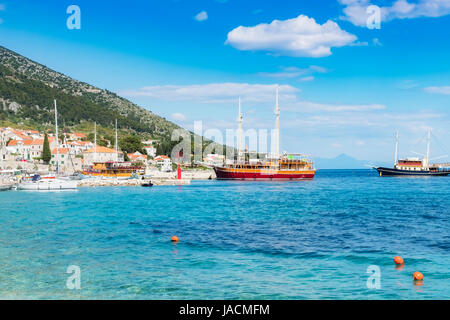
(179, 166)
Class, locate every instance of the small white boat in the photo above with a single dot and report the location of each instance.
(48, 183)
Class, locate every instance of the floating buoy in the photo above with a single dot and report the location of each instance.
(398, 260)
(417, 276)
(175, 239)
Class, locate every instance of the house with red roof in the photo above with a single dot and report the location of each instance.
(29, 149)
(137, 156)
(102, 154)
(76, 136)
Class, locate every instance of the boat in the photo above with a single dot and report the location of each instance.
(38, 182)
(415, 166)
(113, 169)
(147, 184)
(273, 167)
(49, 182)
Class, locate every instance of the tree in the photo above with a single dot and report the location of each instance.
(46, 152)
(131, 144)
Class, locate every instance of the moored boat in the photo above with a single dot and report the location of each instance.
(275, 167)
(285, 168)
(37, 183)
(415, 166)
(112, 169)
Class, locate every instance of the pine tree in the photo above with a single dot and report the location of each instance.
(46, 153)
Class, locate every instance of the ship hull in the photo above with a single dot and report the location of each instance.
(390, 172)
(262, 175)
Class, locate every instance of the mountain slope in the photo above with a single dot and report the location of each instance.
(27, 90)
(342, 161)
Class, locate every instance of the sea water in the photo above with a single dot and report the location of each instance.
(238, 240)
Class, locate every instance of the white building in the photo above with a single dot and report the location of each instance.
(214, 159)
(151, 151)
(102, 154)
(137, 156)
(29, 149)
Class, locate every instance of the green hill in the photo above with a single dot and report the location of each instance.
(27, 90)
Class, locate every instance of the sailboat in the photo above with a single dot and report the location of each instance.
(276, 167)
(50, 182)
(414, 166)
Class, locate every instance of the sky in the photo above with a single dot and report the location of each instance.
(347, 80)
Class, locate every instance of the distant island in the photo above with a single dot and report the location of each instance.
(344, 161)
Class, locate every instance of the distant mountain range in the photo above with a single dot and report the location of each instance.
(344, 161)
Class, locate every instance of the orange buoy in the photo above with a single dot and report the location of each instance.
(417, 276)
(175, 239)
(398, 260)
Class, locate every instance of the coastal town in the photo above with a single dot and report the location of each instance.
(23, 151)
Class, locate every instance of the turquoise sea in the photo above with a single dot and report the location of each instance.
(238, 240)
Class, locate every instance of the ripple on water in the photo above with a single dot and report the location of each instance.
(238, 240)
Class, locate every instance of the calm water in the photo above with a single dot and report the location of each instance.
(239, 240)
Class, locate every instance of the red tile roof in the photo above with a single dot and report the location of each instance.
(32, 142)
(21, 134)
(100, 149)
(61, 151)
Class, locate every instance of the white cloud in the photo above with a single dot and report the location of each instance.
(216, 92)
(294, 72)
(2, 7)
(364, 120)
(297, 37)
(309, 106)
(355, 10)
(179, 116)
(440, 90)
(307, 79)
(201, 16)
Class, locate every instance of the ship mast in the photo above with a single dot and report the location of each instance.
(95, 141)
(57, 142)
(396, 149)
(427, 164)
(2, 149)
(239, 142)
(277, 132)
(116, 145)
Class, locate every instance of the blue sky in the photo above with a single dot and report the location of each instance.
(344, 88)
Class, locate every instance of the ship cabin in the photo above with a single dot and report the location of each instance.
(411, 164)
(291, 162)
(295, 162)
(115, 168)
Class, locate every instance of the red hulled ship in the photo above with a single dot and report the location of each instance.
(275, 167)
